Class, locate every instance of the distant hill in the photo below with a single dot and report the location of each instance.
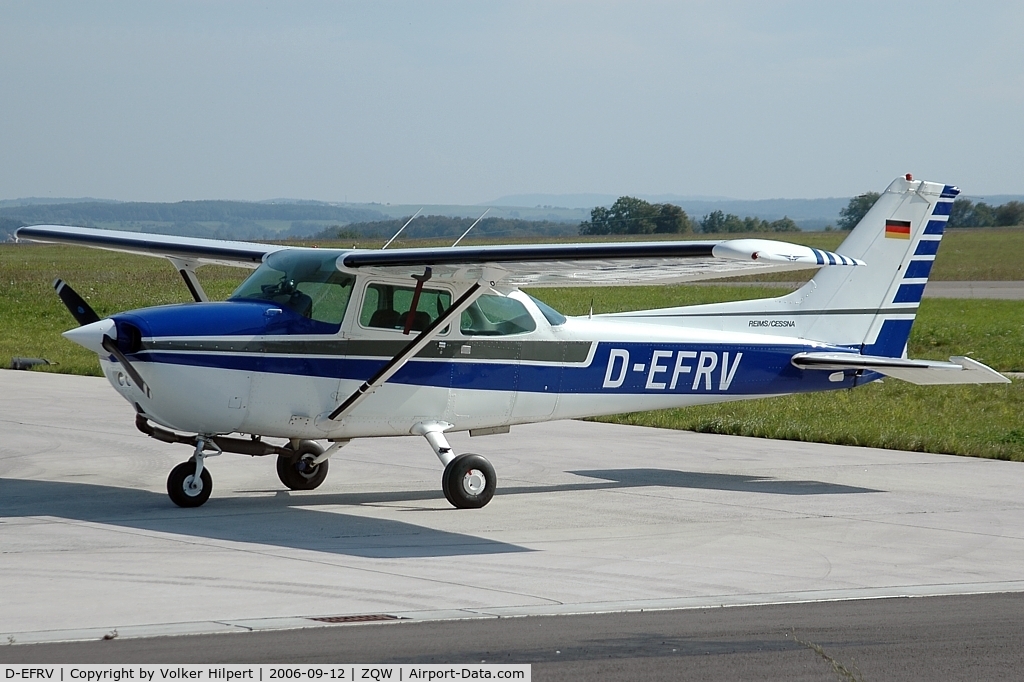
(550, 214)
(437, 226)
(214, 219)
(35, 201)
(808, 214)
(587, 201)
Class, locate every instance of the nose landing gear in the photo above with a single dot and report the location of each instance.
(190, 484)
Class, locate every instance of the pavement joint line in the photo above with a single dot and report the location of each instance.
(278, 623)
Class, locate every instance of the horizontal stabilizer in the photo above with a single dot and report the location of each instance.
(959, 370)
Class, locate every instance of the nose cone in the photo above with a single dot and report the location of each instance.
(91, 335)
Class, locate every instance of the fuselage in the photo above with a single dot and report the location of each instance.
(260, 367)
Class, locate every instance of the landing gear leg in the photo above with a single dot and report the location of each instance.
(469, 480)
(190, 484)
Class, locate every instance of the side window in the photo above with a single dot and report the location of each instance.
(386, 306)
(496, 316)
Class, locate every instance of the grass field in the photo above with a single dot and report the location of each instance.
(986, 421)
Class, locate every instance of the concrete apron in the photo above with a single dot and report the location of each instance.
(588, 518)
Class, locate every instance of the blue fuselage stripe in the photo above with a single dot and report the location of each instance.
(618, 368)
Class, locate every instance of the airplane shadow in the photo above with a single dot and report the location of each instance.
(635, 478)
(279, 521)
(271, 521)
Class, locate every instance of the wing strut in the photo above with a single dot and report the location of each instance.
(187, 270)
(415, 346)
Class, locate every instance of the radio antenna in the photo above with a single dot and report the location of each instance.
(471, 227)
(401, 228)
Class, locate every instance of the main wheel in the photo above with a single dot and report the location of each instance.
(297, 470)
(183, 488)
(469, 481)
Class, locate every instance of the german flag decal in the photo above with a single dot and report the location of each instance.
(897, 229)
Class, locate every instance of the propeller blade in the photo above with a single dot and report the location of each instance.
(110, 345)
(75, 304)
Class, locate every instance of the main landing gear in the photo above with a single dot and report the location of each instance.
(468, 480)
(302, 468)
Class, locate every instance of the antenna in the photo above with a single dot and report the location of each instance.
(471, 227)
(401, 228)
(591, 315)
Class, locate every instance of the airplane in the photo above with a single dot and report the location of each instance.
(330, 345)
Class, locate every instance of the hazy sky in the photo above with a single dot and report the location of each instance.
(462, 102)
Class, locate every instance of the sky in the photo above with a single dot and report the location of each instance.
(463, 102)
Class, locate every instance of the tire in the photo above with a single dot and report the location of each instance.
(295, 470)
(469, 481)
(178, 482)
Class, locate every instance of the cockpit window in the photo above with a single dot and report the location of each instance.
(553, 317)
(496, 316)
(308, 284)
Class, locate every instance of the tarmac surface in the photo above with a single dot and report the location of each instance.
(1000, 290)
(589, 518)
(969, 638)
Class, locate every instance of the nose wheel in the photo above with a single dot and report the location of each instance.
(185, 488)
(469, 481)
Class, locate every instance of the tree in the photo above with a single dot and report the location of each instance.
(713, 222)
(629, 215)
(856, 209)
(982, 216)
(961, 214)
(672, 220)
(1009, 214)
(784, 224)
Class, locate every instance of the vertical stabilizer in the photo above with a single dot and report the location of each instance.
(869, 308)
(874, 307)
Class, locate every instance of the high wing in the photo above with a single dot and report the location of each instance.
(193, 249)
(604, 264)
(526, 265)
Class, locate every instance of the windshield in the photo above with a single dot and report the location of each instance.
(553, 317)
(306, 282)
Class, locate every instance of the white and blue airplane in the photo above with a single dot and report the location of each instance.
(331, 345)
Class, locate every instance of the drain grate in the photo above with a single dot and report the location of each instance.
(368, 618)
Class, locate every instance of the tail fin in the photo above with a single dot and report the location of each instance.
(869, 308)
(873, 307)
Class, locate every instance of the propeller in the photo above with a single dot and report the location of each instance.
(85, 315)
(75, 304)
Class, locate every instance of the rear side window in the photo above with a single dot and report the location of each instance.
(386, 306)
(496, 316)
